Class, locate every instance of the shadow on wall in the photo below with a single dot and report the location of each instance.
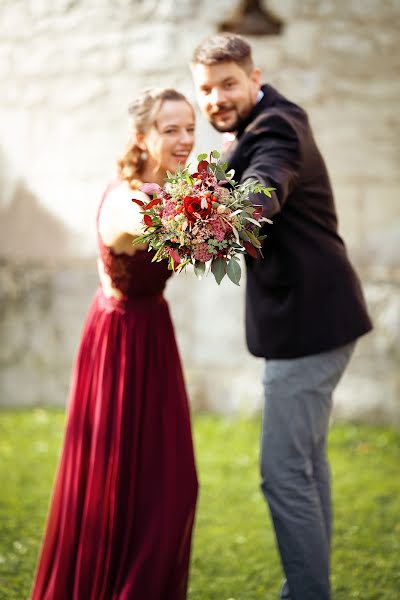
(27, 229)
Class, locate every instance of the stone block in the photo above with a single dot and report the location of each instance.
(381, 208)
(72, 93)
(41, 8)
(268, 54)
(15, 22)
(336, 50)
(383, 299)
(288, 10)
(300, 41)
(227, 391)
(301, 85)
(348, 202)
(153, 48)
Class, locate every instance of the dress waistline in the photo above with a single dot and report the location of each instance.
(121, 304)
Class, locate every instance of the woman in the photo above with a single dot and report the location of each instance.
(123, 505)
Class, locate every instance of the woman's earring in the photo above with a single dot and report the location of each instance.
(143, 155)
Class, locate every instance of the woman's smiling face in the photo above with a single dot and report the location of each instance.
(170, 140)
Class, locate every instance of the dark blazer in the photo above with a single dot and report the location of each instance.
(303, 297)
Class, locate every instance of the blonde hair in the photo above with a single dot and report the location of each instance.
(143, 114)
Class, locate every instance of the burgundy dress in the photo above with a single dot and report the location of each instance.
(121, 516)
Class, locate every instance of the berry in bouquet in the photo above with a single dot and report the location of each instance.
(204, 219)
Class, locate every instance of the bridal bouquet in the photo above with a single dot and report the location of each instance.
(204, 219)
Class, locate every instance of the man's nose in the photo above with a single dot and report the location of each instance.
(217, 96)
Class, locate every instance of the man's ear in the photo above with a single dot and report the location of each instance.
(255, 77)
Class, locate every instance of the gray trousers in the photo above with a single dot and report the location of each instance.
(294, 468)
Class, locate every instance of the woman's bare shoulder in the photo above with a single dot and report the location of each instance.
(119, 215)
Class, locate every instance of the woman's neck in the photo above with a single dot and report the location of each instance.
(149, 176)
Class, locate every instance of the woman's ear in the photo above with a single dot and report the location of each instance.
(139, 140)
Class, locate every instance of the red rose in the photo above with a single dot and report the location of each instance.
(193, 209)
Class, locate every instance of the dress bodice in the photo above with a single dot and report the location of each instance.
(133, 275)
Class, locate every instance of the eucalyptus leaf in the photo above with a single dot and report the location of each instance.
(215, 154)
(234, 271)
(218, 269)
(202, 157)
(253, 221)
(219, 174)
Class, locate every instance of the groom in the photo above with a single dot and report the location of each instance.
(304, 304)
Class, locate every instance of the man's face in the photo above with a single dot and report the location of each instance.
(226, 93)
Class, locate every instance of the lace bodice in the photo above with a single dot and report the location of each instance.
(135, 275)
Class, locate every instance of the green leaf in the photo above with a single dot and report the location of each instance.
(219, 173)
(157, 254)
(218, 269)
(253, 239)
(234, 271)
(202, 157)
(267, 191)
(215, 154)
(199, 269)
(182, 265)
(188, 179)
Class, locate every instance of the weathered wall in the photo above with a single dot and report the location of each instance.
(70, 67)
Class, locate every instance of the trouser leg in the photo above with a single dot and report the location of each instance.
(294, 467)
(322, 478)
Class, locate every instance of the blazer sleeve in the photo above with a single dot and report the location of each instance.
(272, 152)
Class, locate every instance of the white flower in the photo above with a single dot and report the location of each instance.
(204, 202)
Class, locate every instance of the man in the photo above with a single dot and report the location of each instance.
(304, 304)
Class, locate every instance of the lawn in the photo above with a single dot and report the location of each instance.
(234, 555)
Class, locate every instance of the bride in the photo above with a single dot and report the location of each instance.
(121, 516)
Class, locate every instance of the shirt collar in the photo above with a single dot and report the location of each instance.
(260, 96)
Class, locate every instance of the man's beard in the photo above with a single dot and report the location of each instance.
(240, 117)
(228, 128)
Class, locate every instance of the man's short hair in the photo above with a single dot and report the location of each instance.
(222, 48)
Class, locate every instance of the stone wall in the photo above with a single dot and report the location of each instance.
(70, 67)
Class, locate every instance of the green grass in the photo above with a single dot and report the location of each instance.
(234, 554)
